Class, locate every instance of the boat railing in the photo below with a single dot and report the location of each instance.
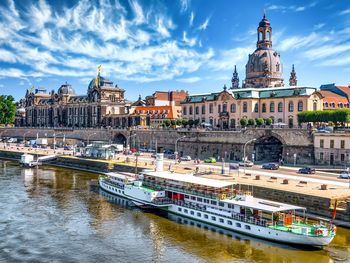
(109, 182)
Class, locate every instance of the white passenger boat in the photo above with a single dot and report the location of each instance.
(114, 183)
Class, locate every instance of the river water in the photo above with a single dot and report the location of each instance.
(59, 215)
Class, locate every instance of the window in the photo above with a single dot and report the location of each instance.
(192, 213)
(211, 108)
(233, 107)
(280, 107)
(213, 218)
(229, 222)
(179, 209)
(219, 108)
(263, 107)
(247, 227)
(184, 111)
(221, 204)
(229, 205)
(186, 196)
(331, 144)
(199, 214)
(272, 107)
(199, 199)
(191, 110)
(238, 224)
(213, 202)
(300, 106)
(193, 197)
(342, 157)
(245, 107)
(256, 107)
(291, 106)
(203, 109)
(342, 144)
(321, 156)
(205, 216)
(221, 220)
(224, 107)
(197, 110)
(321, 143)
(186, 211)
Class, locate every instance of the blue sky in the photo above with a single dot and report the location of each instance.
(145, 46)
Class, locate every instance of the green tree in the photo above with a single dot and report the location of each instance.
(190, 122)
(7, 109)
(173, 122)
(178, 122)
(244, 122)
(196, 122)
(251, 122)
(184, 122)
(260, 121)
(268, 121)
(167, 123)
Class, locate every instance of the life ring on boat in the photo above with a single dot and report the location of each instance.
(223, 196)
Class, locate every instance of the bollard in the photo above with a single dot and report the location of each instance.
(285, 181)
(257, 177)
(323, 187)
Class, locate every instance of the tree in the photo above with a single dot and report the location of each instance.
(341, 116)
(251, 122)
(244, 122)
(7, 109)
(184, 122)
(167, 123)
(173, 122)
(259, 121)
(268, 121)
(178, 122)
(196, 122)
(190, 122)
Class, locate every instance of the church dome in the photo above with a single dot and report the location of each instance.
(66, 89)
(101, 82)
(264, 22)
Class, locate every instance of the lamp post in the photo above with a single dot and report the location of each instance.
(54, 139)
(244, 157)
(128, 140)
(88, 138)
(176, 154)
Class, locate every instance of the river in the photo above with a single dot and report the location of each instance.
(59, 215)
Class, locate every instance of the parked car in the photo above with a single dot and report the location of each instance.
(270, 166)
(143, 149)
(344, 175)
(246, 164)
(171, 156)
(186, 158)
(68, 148)
(168, 152)
(150, 150)
(306, 170)
(210, 160)
(133, 150)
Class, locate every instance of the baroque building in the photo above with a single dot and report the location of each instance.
(103, 105)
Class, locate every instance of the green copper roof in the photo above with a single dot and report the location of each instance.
(201, 98)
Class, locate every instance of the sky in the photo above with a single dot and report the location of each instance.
(149, 45)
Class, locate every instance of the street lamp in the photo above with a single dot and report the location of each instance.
(176, 154)
(88, 138)
(244, 157)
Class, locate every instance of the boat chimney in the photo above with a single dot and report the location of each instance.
(159, 162)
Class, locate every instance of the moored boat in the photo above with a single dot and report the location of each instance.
(114, 183)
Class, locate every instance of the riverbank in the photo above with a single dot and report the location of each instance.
(318, 206)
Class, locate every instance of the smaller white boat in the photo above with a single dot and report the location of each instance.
(114, 183)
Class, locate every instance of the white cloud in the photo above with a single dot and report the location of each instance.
(229, 58)
(161, 28)
(319, 26)
(139, 16)
(205, 24)
(189, 80)
(293, 8)
(191, 18)
(326, 51)
(189, 41)
(345, 12)
(184, 4)
(12, 73)
(39, 15)
(295, 42)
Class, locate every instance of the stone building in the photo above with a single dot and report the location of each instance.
(263, 94)
(335, 96)
(103, 105)
(332, 148)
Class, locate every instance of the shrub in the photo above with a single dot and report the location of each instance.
(260, 121)
(244, 122)
(251, 122)
(268, 121)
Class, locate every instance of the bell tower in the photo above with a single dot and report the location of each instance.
(264, 34)
(235, 79)
(293, 81)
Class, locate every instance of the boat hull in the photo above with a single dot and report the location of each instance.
(111, 189)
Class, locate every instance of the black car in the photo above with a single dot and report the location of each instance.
(270, 166)
(306, 170)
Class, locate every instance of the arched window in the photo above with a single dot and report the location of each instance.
(300, 106)
(224, 107)
(233, 108)
(184, 111)
(326, 104)
(291, 106)
(315, 106)
(191, 110)
(197, 110)
(340, 105)
(256, 107)
(279, 120)
(263, 107)
(280, 107)
(278, 67)
(219, 108)
(203, 109)
(210, 108)
(272, 107)
(245, 107)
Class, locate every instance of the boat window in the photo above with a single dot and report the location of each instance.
(186, 211)
(247, 227)
(193, 197)
(186, 196)
(213, 218)
(199, 214)
(229, 222)
(179, 208)
(205, 216)
(221, 204)
(192, 213)
(229, 205)
(199, 199)
(213, 202)
(221, 220)
(238, 224)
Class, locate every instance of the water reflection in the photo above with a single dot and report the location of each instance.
(53, 213)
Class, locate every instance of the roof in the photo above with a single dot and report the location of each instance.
(201, 97)
(331, 97)
(263, 204)
(189, 178)
(173, 111)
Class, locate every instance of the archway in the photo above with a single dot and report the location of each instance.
(120, 139)
(268, 149)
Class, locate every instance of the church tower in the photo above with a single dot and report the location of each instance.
(264, 34)
(293, 81)
(235, 79)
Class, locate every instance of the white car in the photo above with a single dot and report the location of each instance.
(246, 164)
(344, 175)
(186, 158)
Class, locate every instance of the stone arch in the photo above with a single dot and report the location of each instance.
(120, 138)
(268, 148)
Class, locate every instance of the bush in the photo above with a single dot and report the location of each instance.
(335, 116)
(196, 122)
(244, 122)
(167, 123)
(178, 122)
(268, 121)
(260, 121)
(173, 122)
(184, 122)
(190, 122)
(251, 122)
